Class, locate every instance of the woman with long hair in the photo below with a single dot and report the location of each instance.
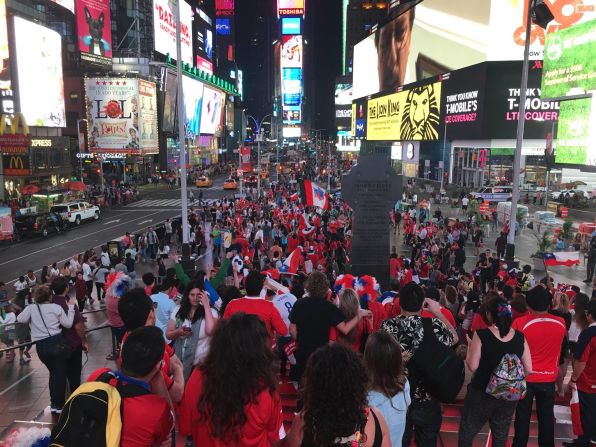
(349, 305)
(191, 325)
(560, 308)
(389, 390)
(231, 398)
(486, 351)
(336, 410)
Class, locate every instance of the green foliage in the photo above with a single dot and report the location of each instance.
(544, 244)
(566, 231)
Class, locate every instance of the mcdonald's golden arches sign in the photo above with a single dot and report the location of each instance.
(16, 165)
(14, 134)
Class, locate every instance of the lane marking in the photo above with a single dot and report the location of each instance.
(10, 387)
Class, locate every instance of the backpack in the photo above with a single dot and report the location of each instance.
(437, 366)
(508, 379)
(92, 416)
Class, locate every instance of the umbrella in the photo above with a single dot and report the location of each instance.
(75, 186)
(29, 189)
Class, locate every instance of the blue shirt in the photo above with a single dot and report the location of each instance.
(394, 411)
(163, 311)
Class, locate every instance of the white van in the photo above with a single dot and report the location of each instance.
(493, 194)
(504, 213)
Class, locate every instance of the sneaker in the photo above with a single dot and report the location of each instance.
(55, 410)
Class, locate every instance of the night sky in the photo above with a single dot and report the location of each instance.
(323, 23)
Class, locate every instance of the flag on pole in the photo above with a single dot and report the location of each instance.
(304, 227)
(576, 421)
(294, 197)
(292, 262)
(568, 258)
(315, 195)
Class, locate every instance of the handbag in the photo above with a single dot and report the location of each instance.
(56, 345)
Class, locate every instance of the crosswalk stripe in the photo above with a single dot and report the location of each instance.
(139, 203)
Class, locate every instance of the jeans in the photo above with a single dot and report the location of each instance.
(591, 266)
(283, 358)
(74, 365)
(545, 402)
(57, 368)
(100, 291)
(118, 334)
(479, 408)
(89, 285)
(587, 406)
(152, 251)
(424, 418)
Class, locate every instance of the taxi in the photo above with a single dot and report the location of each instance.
(230, 184)
(204, 182)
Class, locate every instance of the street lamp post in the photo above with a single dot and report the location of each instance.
(258, 125)
(81, 146)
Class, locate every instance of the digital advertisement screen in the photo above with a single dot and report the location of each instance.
(94, 31)
(149, 136)
(212, 110)
(39, 66)
(113, 115)
(359, 118)
(164, 29)
(570, 61)
(203, 40)
(292, 114)
(68, 4)
(291, 51)
(193, 102)
(224, 7)
(343, 94)
(223, 26)
(575, 133)
(291, 132)
(169, 121)
(365, 70)
(290, 7)
(410, 115)
(290, 26)
(7, 104)
(291, 84)
(343, 115)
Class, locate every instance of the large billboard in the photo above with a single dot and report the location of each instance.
(202, 26)
(409, 115)
(149, 137)
(291, 84)
(94, 31)
(164, 29)
(434, 38)
(170, 110)
(292, 114)
(6, 100)
(193, 101)
(290, 7)
(291, 51)
(68, 4)
(343, 105)
(212, 109)
(113, 115)
(39, 66)
(570, 61)
(224, 7)
(291, 26)
(575, 133)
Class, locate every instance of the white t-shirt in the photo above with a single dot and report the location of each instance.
(18, 286)
(87, 272)
(465, 201)
(203, 343)
(284, 303)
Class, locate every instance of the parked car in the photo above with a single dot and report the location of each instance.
(560, 195)
(77, 212)
(39, 224)
(251, 180)
(230, 184)
(493, 194)
(204, 182)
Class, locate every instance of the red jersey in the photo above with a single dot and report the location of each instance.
(585, 352)
(165, 370)
(478, 322)
(263, 426)
(446, 313)
(263, 309)
(147, 419)
(545, 334)
(393, 267)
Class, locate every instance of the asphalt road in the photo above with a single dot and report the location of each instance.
(155, 206)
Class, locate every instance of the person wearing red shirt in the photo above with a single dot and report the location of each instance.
(231, 398)
(255, 305)
(584, 379)
(136, 310)
(393, 266)
(292, 243)
(434, 295)
(545, 334)
(147, 417)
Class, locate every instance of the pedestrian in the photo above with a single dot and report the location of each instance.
(591, 259)
(105, 256)
(163, 305)
(88, 278)
(46, 321)
(152, 242)
(501, 245)
(99, 276)
(129, 262)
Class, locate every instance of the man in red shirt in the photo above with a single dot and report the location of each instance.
(255, 304)
(545, 334)
(146, 418)
(584, 379)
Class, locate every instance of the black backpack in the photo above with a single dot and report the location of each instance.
(92, 416)
(436, 366)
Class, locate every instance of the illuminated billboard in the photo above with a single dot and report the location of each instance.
(570, 62)
(193, 101)
(291, 132)
(430, 39)
(149, 137)
(203, 41)
(224, 7)
(164, 29)
(291, 84)
(68, 4)
(169, 121)
(575, 133)
(39, 66)
(94, 31)
(291, 51)
(211, 110)
(290, 7)
(113, 114)
(409, 115)
(223, 26)
(7, 104)
(290, 26)
(292, 114)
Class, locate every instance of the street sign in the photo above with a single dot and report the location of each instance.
(259, 137)
(239, 172)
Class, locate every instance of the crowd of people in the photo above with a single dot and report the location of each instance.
(199, 353)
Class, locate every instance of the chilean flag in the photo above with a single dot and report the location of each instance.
(315, 195)
(294, 197)
(568, 258)
(292, 262)
(304, 227)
